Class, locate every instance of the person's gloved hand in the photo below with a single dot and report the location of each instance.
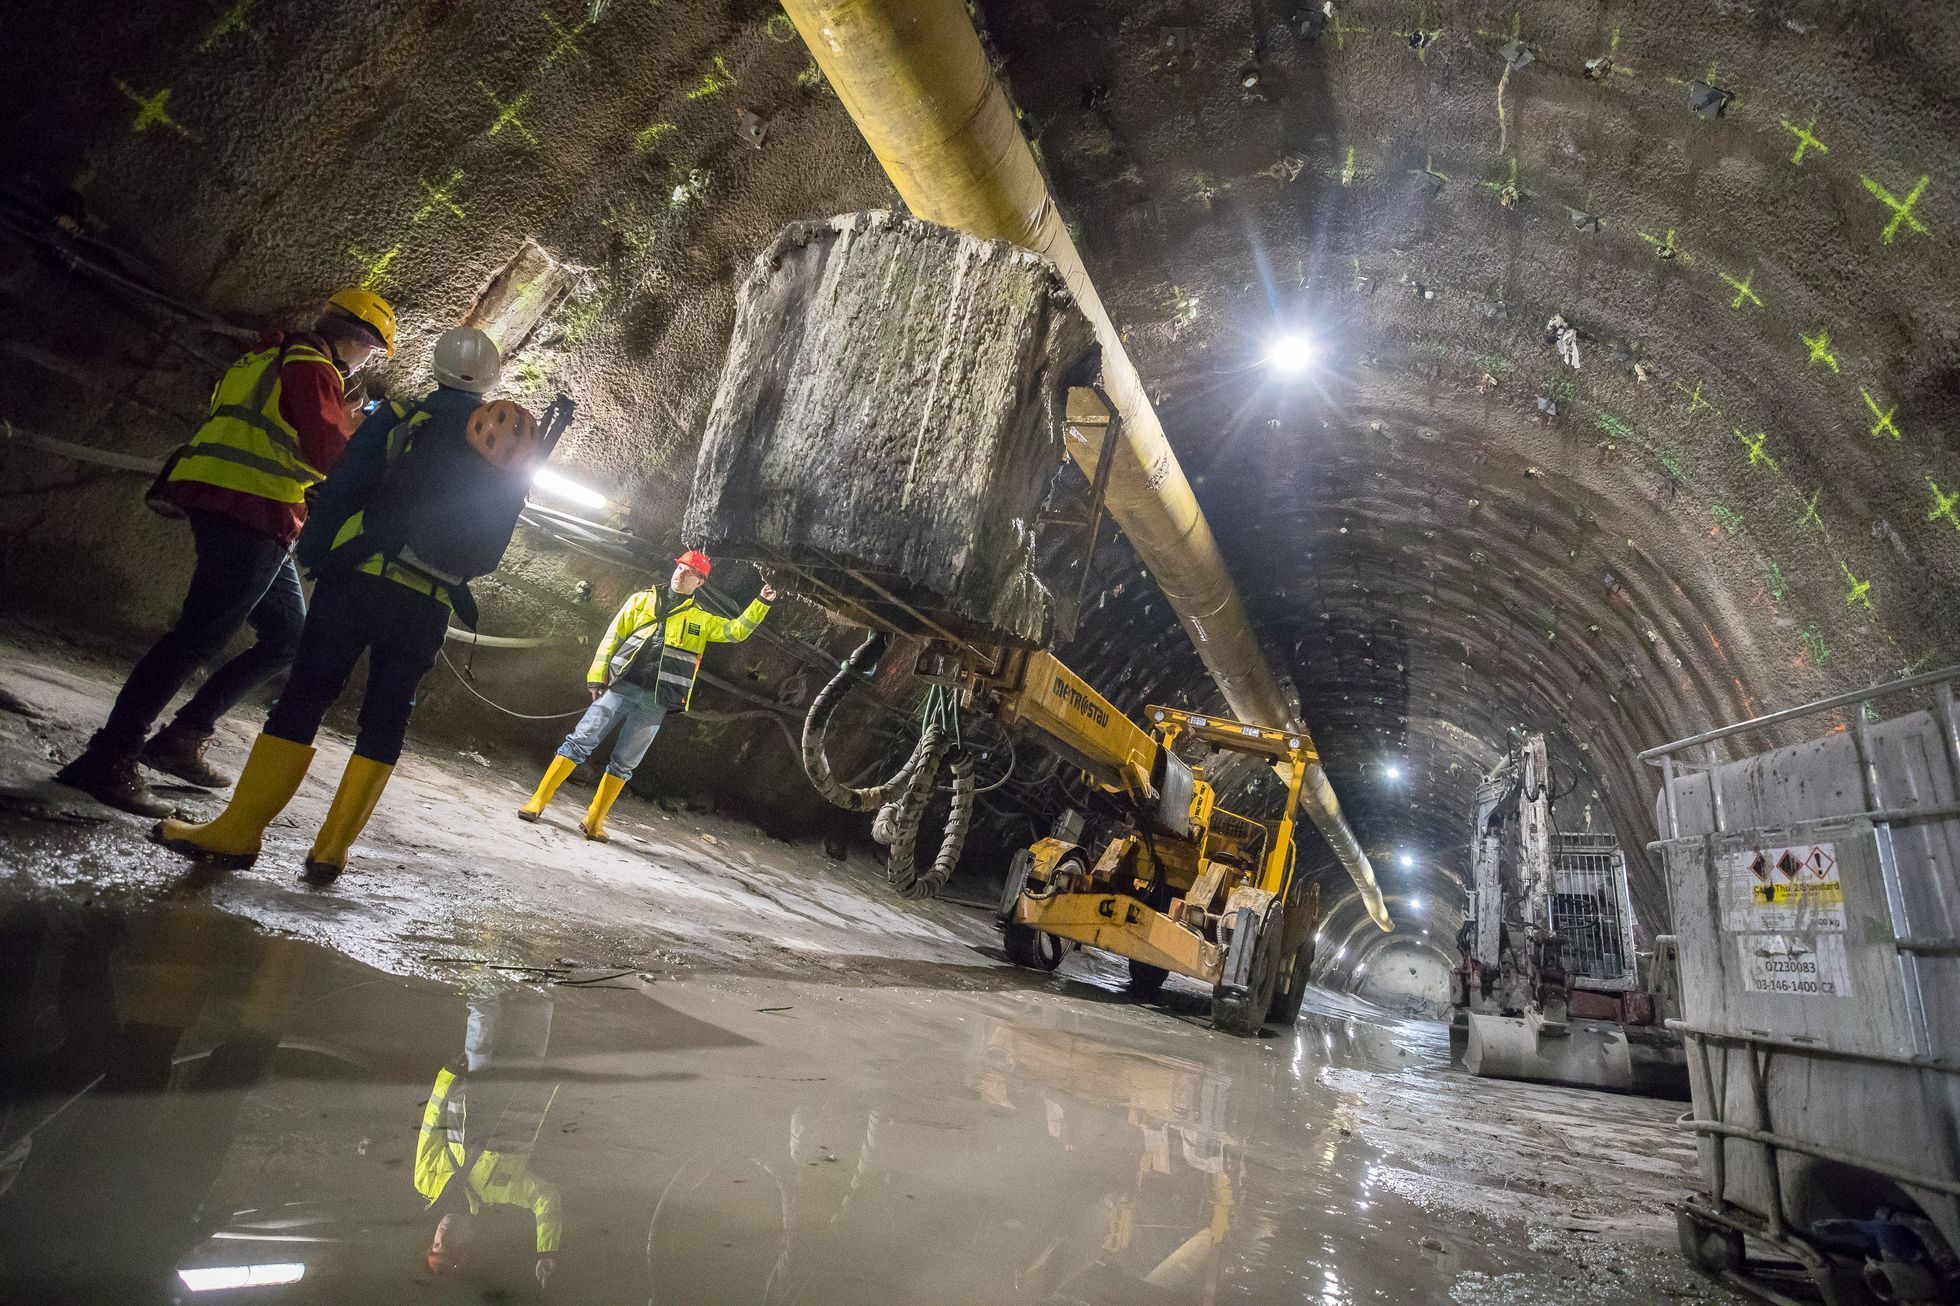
(546, 1264)
(597, 690)
(768, 592)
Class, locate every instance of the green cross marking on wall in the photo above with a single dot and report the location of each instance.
(713, 82)
(1810, 517)
(1342, 31)
(1814, 646)
(1428, 169)
(438, 197)
(650, 136)
(1695, 402)
(1422, 35)
(1498, 188)
(232, 20)
(376, 265)
(1741, 288)
(1730, 519)
(507, 113)
(567, 38)
(1820, 350)
(1860, 593)
(1901, 208)
(1665, 247)
(1758, 455)
(1805, 141)
(151, 110)
(1884, 425)
(1943, 505)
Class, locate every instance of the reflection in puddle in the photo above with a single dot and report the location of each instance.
(192, 1110)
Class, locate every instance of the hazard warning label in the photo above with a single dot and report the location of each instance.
(1782, 890)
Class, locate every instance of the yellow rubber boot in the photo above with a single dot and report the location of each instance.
(270, 779)
(556, 774)
(353, 803)
(594, 823)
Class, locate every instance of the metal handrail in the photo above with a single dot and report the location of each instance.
(1653, 756)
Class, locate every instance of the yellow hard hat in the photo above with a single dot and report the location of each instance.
(366, 306)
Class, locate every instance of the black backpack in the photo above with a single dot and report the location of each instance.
(445, 507)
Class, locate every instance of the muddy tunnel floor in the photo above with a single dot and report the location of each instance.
(700, 1065)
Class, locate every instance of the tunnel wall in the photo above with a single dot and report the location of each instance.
(1410, 979)
(251, 157)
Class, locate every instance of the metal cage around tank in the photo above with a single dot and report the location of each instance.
(1814, 890)
(1591, 911)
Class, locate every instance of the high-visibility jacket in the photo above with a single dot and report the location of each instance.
(683, 629)
(246, 444)
(491, 1177)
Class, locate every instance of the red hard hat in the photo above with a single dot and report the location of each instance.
(695, 560)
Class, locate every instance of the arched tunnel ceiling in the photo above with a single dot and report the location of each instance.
(1736, 502)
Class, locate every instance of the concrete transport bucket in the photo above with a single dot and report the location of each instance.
(889, 422)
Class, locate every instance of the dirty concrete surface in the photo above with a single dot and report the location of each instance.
(712, 1067)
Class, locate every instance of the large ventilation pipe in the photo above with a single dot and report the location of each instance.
(917, 83)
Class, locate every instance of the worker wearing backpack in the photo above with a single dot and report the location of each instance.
(426, 498)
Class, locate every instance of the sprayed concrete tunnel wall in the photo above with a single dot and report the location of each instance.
(588, 188)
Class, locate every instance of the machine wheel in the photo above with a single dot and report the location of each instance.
(1244, 1013)
(1292, 987)
(1027, 946)
(1146, 980)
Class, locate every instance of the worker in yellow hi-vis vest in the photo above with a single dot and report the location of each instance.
(645, 669)
(279, 420)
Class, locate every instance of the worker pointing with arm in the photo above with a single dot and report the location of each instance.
(279, 421)
(645, 669)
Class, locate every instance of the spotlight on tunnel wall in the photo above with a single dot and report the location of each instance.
(1291, 353)
(1391, 772)
(560, 486)
(1405, 861)
(1415, 904)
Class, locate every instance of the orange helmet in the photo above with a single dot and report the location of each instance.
(695, 560)
(505, 433)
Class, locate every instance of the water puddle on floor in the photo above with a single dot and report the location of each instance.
(191, 1110)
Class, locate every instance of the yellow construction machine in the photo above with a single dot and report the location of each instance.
(1177, 884)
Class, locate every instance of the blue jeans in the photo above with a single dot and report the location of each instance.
(636, 714)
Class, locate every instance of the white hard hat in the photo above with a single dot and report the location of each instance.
(467, 359)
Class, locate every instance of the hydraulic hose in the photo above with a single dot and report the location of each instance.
(909, 815)
(898, 821)
(858, 667)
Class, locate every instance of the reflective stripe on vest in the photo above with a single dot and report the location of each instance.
(402, 571)
(246, 444)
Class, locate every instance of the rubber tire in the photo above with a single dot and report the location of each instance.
(1146, 980)
(1245, 1014)
(1293, 991)
(1029, 947)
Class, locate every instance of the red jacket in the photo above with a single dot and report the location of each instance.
(312, 396)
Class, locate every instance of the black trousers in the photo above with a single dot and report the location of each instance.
(241, 575)
(354, 613)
